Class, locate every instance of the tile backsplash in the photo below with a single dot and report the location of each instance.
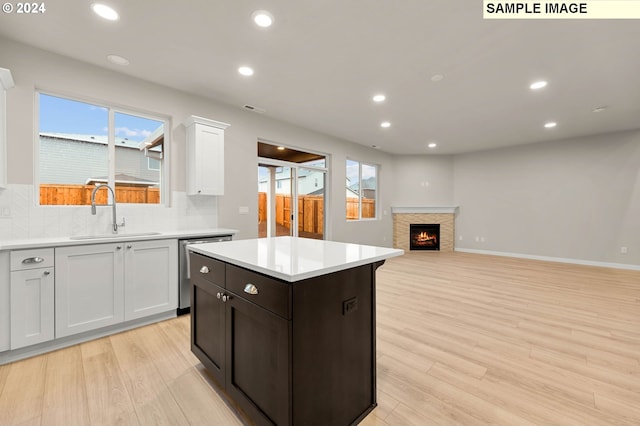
(21, 218)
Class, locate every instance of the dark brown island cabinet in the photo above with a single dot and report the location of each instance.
(287, 351)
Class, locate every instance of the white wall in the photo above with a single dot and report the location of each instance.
(423, 181)
(576, 199)
(36, 69)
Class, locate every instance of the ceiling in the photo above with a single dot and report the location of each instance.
(321, 62)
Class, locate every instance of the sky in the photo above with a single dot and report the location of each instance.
(58, 115)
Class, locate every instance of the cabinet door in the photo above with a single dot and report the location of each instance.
(205, 173)
(151, 278)
(258, 373)
(208, 326)
(32, 303)
(89, 287)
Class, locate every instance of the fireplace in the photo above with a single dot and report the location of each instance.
(424, 236)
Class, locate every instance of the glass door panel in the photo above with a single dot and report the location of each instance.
(275, 208)
(311, 190)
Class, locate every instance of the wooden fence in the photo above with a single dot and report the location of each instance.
(310, 211)
(368, 208)
(54, 194)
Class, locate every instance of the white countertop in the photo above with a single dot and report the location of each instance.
(294, 259)
(132, 236)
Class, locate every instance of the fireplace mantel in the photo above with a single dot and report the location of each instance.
(425, 209)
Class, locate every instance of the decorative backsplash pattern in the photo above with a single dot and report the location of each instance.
(26, 220)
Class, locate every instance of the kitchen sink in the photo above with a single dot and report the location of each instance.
(100, 236)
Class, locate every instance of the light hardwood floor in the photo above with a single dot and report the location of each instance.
(462, 339)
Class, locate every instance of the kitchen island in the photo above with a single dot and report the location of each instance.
(286, 326)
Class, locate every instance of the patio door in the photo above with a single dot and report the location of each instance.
(291, 200)
(276, 201)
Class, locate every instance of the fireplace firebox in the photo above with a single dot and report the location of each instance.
(424, 236)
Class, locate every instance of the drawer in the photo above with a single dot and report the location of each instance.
(271, 293)
(31, 259)
(207, 268)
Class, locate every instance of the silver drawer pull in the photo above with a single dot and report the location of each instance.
(204, 270)
(32, 260)
(251, 289)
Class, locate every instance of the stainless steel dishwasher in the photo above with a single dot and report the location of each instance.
(184, 303)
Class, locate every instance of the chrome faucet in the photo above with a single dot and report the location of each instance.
(115, 225)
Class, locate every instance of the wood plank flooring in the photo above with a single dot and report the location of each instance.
(462, 339)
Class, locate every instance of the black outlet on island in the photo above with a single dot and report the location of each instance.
(349, 305)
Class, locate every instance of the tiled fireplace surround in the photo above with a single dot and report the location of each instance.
(405, 216)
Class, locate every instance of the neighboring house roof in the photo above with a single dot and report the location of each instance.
(123, 178)
(152, 140)
(100, 139)
(367, 184)
(285, 173)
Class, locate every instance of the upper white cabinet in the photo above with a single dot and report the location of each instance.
(6, 83)
(205, 156)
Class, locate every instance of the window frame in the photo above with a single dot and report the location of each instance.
(113, 109)
(360, 192)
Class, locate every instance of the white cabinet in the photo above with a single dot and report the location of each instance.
(105, 284)
(151, 278)
(5, 301)
(205, 156)
(6, 83)
(32, 297)
(89, 287)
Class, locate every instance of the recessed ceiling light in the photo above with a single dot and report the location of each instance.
(538, 85)
(379, 98)
(437, 77)
(104, 11)
(550, 124)
(262, 18)
(118, 60)
(245, 71)
(599, 109)
(385, 124)
(432, 145)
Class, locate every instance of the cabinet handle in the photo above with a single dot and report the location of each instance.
(129, 246)
(118, 247)
(46, 273)
(204, 270)
(250, 289)
(219, 295)
(226, 297)
(32, 260)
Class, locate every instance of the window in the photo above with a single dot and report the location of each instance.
(82, 145)
(361, 188)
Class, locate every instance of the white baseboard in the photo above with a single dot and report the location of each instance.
(553, 259)
(53, 345)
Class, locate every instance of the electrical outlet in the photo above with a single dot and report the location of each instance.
(460, 238)
(482, 239)
(623, 250)
(477, 239)
(349, 305)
